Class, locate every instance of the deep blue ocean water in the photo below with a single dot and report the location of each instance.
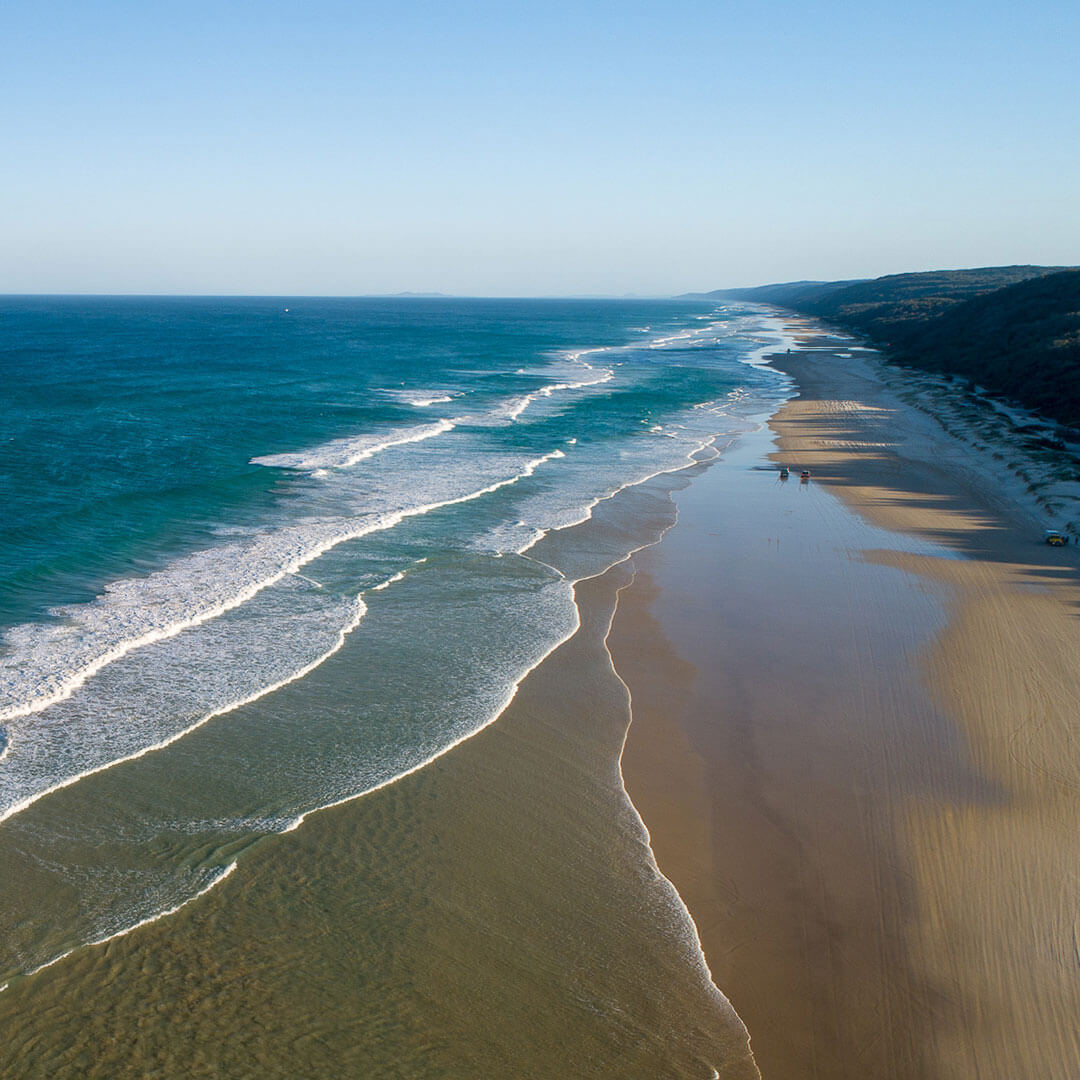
(288, 541)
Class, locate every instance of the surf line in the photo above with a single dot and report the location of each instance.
(521, 404)
(28, 801)
(706, 444)
(388, 521)
(216, 880)
(349, 453)
(689, 463)
(496, 713)
(693, 939)
(296, 822)
(360, 612)
(23, 804)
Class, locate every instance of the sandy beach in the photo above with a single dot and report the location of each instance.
(854, 741)
(851, 709)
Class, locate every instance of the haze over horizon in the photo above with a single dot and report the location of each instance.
(499, 150)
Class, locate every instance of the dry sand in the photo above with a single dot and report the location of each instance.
(856, 743)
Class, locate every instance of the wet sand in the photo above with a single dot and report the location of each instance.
(854, 742)
(497, 913)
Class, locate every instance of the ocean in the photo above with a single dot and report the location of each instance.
(260, 556)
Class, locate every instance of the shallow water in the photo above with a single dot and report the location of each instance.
(495, 913)
(260, 563)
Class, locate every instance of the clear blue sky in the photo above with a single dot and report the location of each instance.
(507, 148)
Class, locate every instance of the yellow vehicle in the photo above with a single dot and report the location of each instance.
(1054, 538)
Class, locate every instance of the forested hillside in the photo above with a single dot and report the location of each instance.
(1013, 329)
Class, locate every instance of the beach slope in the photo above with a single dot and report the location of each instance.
(854, 742)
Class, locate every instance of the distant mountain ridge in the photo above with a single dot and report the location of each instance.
(1013, 329)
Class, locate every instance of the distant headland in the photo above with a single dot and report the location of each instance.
(1014, 330)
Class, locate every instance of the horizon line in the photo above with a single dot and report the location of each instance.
(352, 296)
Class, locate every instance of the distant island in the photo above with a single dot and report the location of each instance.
(1014, 330)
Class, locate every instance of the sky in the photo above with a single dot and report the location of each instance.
(528, 149)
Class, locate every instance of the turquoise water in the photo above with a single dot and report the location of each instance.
(261, 555)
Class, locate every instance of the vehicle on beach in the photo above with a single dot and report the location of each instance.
(1055, 538)
(805, 474)
(784, 472)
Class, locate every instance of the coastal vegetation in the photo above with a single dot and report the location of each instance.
(1014, 330)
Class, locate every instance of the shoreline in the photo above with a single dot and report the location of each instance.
(666, 478)
(521, 847)
(744, 791)
(822, 772)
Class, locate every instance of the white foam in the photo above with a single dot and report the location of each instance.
(399, 576)
(501, 708)
(424, 401)
(110, 759)
(579, 515)
(47, 663)
(519, 405)
(104, 754)
(329, 533)
(690, 434)
(215, 881)
(344, 453)
(507, 700)
(673, 339)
